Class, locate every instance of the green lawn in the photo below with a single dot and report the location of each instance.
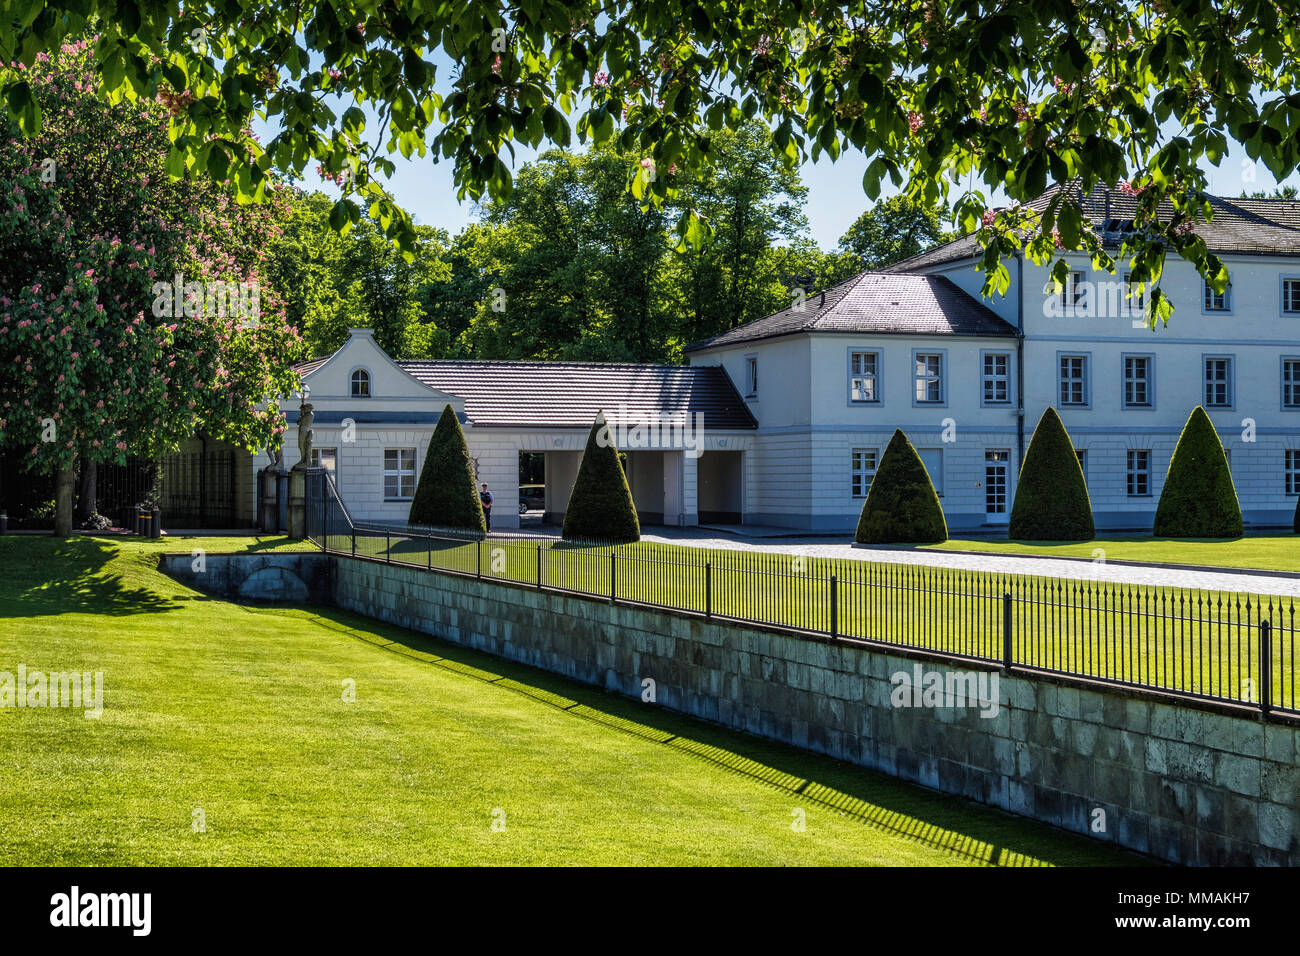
(237, 712)
(1271, 552)
(1203, 642)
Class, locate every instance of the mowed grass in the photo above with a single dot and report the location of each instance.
(233, 716)
(1263, 552)
(1201, 642)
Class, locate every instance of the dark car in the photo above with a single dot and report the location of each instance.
(532, 498)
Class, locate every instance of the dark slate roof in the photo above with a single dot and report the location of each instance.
(877, 303)
(1255, 226)
(569, 394)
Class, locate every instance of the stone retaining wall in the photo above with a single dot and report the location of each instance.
(1197, 785)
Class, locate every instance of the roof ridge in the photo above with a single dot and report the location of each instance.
(550, 362)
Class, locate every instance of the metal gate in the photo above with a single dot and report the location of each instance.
(198, 489)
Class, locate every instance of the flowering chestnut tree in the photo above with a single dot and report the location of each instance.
(111, 342)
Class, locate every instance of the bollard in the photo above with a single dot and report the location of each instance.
(4, 522)
(155, 523)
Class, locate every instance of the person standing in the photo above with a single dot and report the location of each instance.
(485, 498)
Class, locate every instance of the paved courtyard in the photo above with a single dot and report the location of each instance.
(823, 547)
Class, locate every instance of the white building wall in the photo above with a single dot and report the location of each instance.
(1254, 332)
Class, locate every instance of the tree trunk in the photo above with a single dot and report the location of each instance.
(86, 492)
(64, 485)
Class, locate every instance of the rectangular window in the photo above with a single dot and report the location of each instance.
(997, 378)
(327, 458)
(1291, 296)
(1074, 293)
(863, 377)
(1139, 473)
(1136, 300)
(1137, 381)
(995, 481)
(1074, 380)
(1082, 455)
(929, 378)
(1218, 382)
(1218, 301)
(1293, 471)
(863, 470)
(751, 376)
(399, 472)
(1291, 383)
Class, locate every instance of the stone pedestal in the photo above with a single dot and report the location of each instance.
(298, 502)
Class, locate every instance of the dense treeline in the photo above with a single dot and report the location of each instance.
(571, 266)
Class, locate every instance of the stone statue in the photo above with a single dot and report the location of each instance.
(276, 454)
(305, 435)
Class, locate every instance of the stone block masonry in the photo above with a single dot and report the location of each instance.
(1204, 785)
(282, 577)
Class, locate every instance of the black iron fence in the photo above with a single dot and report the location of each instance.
(199, 489)
(1222, 646)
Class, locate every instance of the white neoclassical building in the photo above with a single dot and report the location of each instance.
(782, 421)
(918, 347)
(684, 429)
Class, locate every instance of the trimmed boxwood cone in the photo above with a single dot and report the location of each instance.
(1198, 499)
(901, 507)
(1052, 501)
(600, 506)
(445, 496)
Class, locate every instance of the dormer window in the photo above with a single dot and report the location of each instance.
(360, 383)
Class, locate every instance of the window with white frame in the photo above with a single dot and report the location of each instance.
(1291, 296)
(997, 378)
(1218, 301)
(1218, 381)
(399, 473)
(1291, 383)
(1137, 381)
(1292, 464)
(360, 383)
(1074, 380)
(862, 471)
(327, 458)
(864, 377)
(929, 377)
(751, 376)
(1139, 472)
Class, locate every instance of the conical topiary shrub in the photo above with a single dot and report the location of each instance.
(901, 507)
(601, 507)
(1198, 499)
(445, 496)
(1052, 501)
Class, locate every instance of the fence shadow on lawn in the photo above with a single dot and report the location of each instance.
(52, 576)
(973, 832)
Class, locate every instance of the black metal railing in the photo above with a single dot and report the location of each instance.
(1223, 646)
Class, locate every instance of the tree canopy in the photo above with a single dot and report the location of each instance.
(894, 229)
(955, 98)
(131, 310)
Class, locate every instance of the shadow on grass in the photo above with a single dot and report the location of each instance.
(970, 831)
(42, 576)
